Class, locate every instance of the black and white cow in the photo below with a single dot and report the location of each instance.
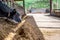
(10, 14)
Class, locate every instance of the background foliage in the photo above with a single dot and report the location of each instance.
(40, 3)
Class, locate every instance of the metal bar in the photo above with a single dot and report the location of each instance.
(50, 6)
(24, 6)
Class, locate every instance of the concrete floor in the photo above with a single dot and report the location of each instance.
(48, 25)
(50, 34)
(45, 20)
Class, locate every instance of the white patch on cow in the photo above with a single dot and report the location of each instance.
(13, 21)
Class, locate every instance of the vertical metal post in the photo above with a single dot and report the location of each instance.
(50, 6)
(24, 5)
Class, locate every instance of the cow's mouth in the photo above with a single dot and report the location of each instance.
(15, 19)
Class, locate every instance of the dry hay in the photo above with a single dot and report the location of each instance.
(26, 32)
(5, 28)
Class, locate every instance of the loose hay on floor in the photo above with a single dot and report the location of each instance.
(27, 31)
(5, 28)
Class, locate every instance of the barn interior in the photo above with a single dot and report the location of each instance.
(29, 20)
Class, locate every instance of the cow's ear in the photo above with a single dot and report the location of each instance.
(14, 11)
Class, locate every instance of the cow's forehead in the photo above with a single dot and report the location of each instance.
(17, 13)
(17, 18)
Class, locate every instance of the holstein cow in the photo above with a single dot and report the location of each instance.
(10, 14)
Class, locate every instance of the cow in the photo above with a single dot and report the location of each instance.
(9, 13)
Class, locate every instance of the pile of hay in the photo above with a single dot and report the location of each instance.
(26, 32)
(5, 28)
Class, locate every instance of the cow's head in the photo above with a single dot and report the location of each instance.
(15, 16)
